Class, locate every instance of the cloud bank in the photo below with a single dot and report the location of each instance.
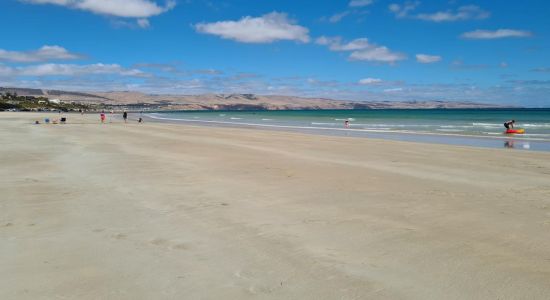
(69, 70)
(496, 34)
(45, 53)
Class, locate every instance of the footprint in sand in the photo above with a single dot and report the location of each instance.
(167, 243)
(181, 247)
(119, 236)
(159, 242)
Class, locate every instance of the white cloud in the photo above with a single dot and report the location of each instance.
(360, 3)
(362, 49)
(265, 29)
(117, 8)
(377, 54)
(58, 2)
(70, 70)
(335, 43)
(466, 12)
(370, 81)
(143, 23)
(541, 69)
(427, 59)
(496, 34)
(403, 10)
(46, 53)
(393, 90)
(338, 17)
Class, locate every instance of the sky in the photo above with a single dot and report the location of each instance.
(458, 50)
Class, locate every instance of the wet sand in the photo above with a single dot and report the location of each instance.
(167, 211)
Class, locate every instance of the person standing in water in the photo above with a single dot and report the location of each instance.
(125, 116)
(102, 116)
(346, 124)
(509, 124)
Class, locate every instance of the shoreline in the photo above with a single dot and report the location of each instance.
(540, 144)
(490, 142)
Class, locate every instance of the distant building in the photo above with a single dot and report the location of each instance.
(42, 101)
(55, 101)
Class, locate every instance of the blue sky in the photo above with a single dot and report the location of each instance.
(484, 51)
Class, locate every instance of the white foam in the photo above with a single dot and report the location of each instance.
(319, 123)
(487, 124)
(449, 130)
(542, 125)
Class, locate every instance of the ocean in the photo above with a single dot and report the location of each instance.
(469, 127)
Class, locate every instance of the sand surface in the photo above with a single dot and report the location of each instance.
(162, 211)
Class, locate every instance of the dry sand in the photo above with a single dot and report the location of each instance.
(161, 211)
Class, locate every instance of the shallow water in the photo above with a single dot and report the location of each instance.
(471, 127)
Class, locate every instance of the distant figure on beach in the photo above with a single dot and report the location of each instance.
(346, 123)
(140, 120)
(102, 116)
(509, 124)
(125, 116)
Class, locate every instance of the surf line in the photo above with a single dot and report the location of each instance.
(346, 129)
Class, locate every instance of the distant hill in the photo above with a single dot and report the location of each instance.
(49, 93)
(231, 101)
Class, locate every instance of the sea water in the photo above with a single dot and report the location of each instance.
(471, 127)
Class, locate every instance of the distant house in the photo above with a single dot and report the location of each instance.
(42, 101)
(55, 101)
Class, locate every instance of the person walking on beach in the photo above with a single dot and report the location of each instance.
(509, 124)
(102, 116)
(125, 116)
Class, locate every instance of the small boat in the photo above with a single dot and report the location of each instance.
(515, 131)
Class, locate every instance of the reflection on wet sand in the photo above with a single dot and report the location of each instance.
(511, 144)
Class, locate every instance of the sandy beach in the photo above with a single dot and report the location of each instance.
(169, 211)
